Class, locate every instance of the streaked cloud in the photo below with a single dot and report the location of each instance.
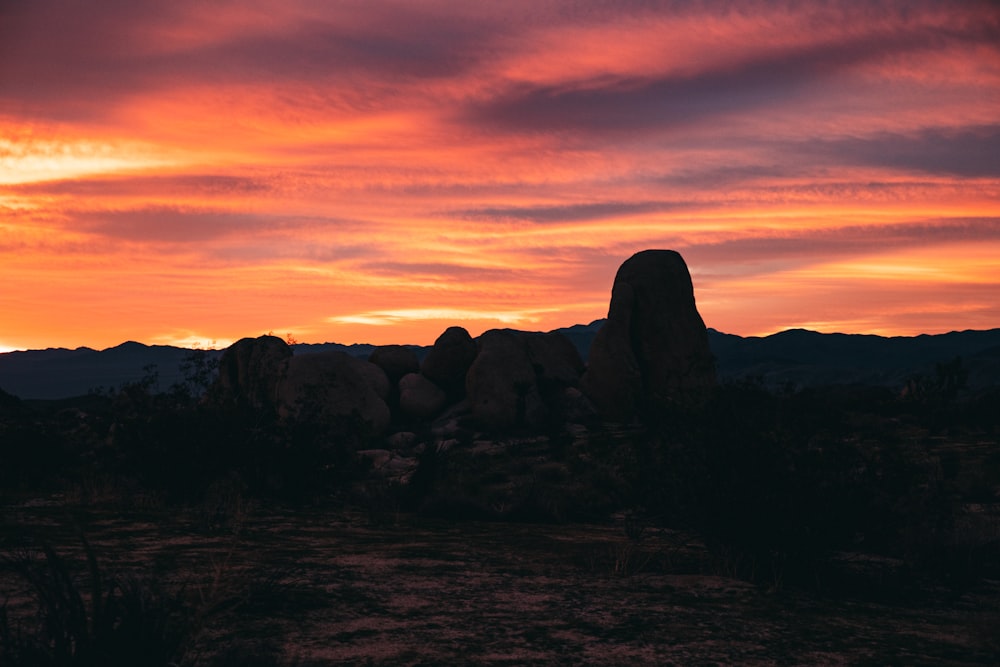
(570, 212)
(970, 152)
(193, 172)
(394, 317)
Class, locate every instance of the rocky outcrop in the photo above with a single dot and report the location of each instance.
(331, 387)
(419, 398)
(501, 384)
(653, 348)
(556, 361)
(449, 360)
(652, 351)
(373, 375)
(395, 360)
(249, 371)
(520, 378)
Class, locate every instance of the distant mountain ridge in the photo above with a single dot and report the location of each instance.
(807, 358)
(796, 357)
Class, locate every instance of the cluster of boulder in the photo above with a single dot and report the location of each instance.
(652, 349)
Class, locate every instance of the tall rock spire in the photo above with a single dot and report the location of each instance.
(653, 350)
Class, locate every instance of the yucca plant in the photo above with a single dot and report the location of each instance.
(105, 621)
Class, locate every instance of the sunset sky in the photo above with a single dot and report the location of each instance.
(193, 172)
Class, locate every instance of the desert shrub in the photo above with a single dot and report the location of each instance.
(84, 616)
(776, 484)
(757, 506)
(310, 458)
(252, 653)
(31, 452)
(200, 370)
(105, 621)
(180, 446)
(535, 502)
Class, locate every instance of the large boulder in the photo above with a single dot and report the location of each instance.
(249, 371)
(449, 360)
(331, 387)
(501, 383)
(373, 375)
(419, 397)
(395, 360)
(653, 349)
(556, 361)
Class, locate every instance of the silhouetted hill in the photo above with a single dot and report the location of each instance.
(60, 373)
(808, 358)
(581, 335)
(797, 357)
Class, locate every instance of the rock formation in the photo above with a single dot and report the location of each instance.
(331, 386)
(374, 376)
(652, 351)
(501, 384)
(653, 348)
(449, 360)
(420, 398)
(556, 361)
(395, 360)
(249, 370)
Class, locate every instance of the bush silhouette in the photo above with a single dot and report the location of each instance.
(778, 483)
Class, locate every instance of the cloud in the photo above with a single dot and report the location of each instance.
(262, 162)
(967, 152)
(764, 78)
(395, 317)
(437, 270)
(51, 67)
(570, 212)
(760, 252)
(171, 185)
(171, 225)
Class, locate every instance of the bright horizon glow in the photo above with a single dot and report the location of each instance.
(374, 172)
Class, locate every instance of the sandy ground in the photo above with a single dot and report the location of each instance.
(324, 587)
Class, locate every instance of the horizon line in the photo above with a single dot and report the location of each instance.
(292, 341)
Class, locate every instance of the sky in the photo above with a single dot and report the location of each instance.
(190, 172)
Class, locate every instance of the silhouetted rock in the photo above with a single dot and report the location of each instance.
(419, 397)
(653, 348)
(501, 383)
(374, 376)
(449, 360)
(330, 387)
(395, 360)
(556, 361)
(572, 406)
(249, 370)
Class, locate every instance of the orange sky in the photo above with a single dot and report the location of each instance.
(192, 172)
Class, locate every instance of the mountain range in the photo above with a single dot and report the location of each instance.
(793, 358)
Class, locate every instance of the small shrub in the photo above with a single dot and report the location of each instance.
(776, 484)
(114, 622)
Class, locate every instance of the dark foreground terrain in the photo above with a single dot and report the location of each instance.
(833, 525)
(274, 586)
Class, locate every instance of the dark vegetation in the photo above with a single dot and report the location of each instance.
(91, 619)
(136, 445)
(792, 489)
(779, 484)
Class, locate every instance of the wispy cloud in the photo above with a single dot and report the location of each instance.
(966, 152)
(395, 317)
(318, 168)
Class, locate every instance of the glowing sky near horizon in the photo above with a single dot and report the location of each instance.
(192, 173)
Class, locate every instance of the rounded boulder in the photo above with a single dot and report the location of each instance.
(420, 398)
(450, 359)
